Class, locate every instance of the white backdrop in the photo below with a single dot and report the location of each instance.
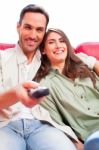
(78, 18)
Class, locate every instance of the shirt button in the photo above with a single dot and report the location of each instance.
(88, 108)
(75, 84)
(81, 96)
(98, 113)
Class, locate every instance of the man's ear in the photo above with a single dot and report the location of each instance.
(18, 27)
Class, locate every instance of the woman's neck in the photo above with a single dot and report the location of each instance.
(60, 67)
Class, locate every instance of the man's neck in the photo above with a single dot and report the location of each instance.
(30, 56)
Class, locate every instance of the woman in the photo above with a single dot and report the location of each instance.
(74, 89)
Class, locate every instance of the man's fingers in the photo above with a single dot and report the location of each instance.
(30, 84)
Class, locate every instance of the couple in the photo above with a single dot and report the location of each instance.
(62, 72)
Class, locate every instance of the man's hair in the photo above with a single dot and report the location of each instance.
(35, 9)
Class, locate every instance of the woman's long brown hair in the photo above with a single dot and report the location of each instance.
(73, 68)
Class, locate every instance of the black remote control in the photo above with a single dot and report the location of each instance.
(38, 92)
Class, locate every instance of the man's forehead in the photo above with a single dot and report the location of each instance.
(37, 19)
(35, 16)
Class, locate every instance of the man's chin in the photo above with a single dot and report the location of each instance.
(31, 48)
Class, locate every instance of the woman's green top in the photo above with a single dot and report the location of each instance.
(73, 102)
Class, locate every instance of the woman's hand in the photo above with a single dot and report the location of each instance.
(79, 145)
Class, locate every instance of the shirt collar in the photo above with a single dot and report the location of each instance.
(21, 56)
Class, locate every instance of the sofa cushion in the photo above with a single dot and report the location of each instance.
(89, 48)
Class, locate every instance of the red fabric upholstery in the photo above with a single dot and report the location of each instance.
(89, 48)
(4, 46)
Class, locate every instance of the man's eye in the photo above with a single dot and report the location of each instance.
(27, 27)
(40, 30)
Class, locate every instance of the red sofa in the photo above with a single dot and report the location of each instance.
(4, 46)
(90, 48)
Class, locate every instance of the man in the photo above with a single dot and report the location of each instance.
(18, 127)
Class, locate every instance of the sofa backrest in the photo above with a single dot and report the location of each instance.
(4, 46)
(89, 48)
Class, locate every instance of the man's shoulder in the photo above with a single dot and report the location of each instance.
(6, 54)
(81, 54)
(8, 50)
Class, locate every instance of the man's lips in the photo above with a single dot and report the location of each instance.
(31, 42)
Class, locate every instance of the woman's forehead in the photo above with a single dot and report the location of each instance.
(53, 34)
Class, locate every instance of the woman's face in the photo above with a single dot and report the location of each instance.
(55, 48)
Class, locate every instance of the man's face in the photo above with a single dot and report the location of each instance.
(31, 31)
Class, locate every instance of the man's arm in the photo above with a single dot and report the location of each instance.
(90, 61)
(96, 67)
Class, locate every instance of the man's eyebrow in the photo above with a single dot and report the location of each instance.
(40, 27)
(27, 24)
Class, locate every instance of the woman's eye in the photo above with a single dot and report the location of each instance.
(62, 41)
(51, 42)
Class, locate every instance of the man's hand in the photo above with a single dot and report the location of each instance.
(19, 93)
(22, 94)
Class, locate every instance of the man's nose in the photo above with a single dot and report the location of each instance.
(33, 33)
